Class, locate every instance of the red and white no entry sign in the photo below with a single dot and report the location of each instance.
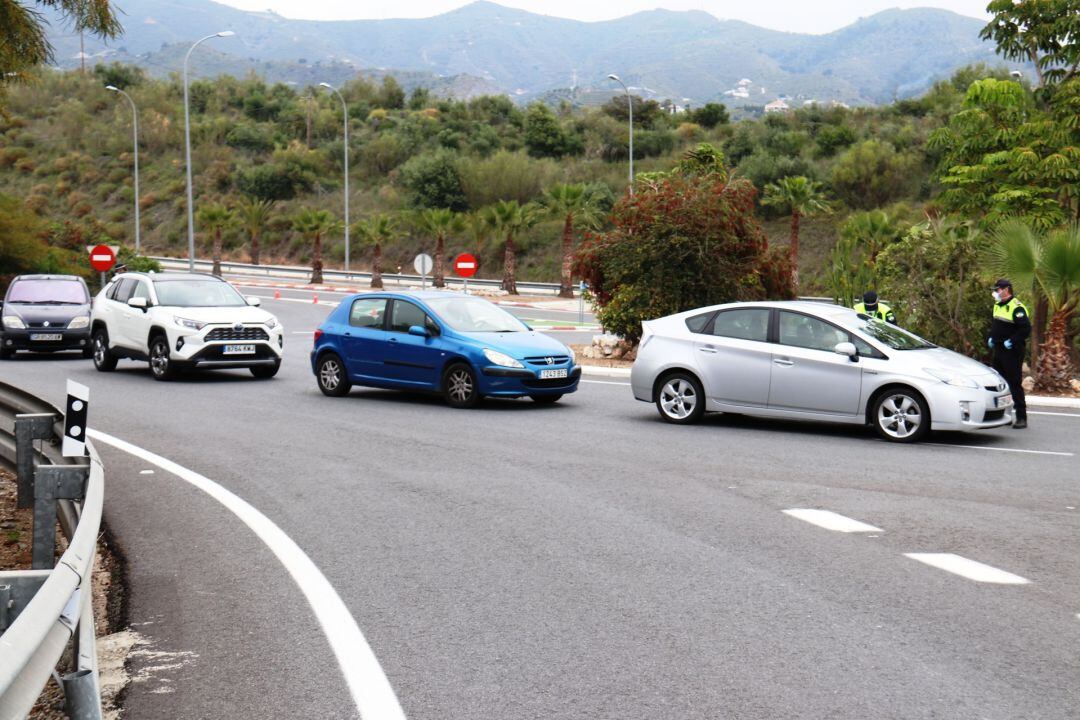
(102, 258)
(465, 265)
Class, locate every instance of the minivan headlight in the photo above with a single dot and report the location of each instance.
(79, 322)
(14, 322)
(951, 378)
(501, 359)
(190, 324)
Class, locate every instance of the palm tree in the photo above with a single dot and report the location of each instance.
(801, 197)
(374, 232)
(508, 218)
(217, 218)
(575, 206)
(1049, 264)
(313, 224)
(440, 222)
(254, 216)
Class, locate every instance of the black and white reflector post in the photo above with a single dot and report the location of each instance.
(78, 400)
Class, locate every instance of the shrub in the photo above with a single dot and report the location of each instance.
(432, 181)
(872, 174)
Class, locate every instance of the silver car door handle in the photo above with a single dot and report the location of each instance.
(708, 349)
(782, 361)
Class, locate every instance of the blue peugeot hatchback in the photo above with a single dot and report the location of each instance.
(460, 346)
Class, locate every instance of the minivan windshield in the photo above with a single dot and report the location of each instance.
(894, 337)
(48, 292)
(470, 314)
(197, 293)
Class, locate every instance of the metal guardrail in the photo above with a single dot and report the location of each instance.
(44, 609)
(329, 275)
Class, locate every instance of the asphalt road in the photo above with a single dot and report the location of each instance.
(584, 560)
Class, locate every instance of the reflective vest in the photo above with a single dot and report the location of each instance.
(882, 313)
(1005, 312)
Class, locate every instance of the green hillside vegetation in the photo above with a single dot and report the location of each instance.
(65, 150)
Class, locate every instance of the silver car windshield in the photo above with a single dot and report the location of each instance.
(894, 337)
(469, 314)
(197, 293)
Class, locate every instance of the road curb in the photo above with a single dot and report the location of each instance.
(611, 372)
(1058, 402)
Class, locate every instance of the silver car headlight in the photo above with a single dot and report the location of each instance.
(501, 359)
(79, 322)
(189, 324)
(14, 322)
(951, 378)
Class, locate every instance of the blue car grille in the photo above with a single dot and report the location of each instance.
(543, 360)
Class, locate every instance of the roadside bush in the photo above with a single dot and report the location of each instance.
(432, 181)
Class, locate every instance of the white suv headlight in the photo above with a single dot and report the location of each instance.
(79, 322)
(951, 378)
(501, 359)
(270, 322)
(14, 322)
(189, 324)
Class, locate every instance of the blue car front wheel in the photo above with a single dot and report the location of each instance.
(459, 386)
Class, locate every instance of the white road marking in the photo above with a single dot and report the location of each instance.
(605, 382)
(997, 449)
(831, 521)
(303, 332)
(1041, 412)
(146, 472)
(969, 569)
(370, 689)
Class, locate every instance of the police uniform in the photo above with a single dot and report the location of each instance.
(881, 312)
(1013, 326)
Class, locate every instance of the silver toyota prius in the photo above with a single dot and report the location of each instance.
(812, 361)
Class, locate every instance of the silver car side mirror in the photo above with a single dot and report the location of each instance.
(846, 348)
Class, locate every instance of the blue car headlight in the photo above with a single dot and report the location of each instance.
(501, 359)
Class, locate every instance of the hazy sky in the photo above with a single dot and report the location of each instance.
(791, 15)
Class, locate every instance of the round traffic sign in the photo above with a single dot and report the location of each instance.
(423, 264)
(102, 258)
(465, 265)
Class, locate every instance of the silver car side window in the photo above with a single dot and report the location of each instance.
(743, 324)
(804, 331)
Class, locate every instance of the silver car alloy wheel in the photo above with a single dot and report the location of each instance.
(678, 398)
(460, 385)
(330, 374)
(899, 416)
(159, 358)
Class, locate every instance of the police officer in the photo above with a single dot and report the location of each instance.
(870, 306)
(1008, 333)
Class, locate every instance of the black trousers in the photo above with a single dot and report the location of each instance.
(1010, 363)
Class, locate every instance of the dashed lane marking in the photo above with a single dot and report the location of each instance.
(831, 521)
(969, 569)
(370, 689)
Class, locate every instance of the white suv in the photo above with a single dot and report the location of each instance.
(181, 321)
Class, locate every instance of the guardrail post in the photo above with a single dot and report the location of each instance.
(17, 589)
(52, 483)
(81, 698)
(29, 428)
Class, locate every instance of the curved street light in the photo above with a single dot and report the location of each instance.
(187, 150)
(135, 132)
(345, 112)
(630, 107)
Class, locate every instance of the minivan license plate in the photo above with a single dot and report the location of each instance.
(47, 337)
(238, 350)
(552, 374)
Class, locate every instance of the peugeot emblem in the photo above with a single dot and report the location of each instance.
(549, 360)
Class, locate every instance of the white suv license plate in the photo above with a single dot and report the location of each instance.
(47, 337)
(1003, 401)
(552, 374)
(238, 350)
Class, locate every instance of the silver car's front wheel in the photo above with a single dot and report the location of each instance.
(680, 398)
(901, 416)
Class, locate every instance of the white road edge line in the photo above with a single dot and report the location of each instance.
(1041, 412)
(831, 521)
(969, 569)
(368, 684)
(997, 449)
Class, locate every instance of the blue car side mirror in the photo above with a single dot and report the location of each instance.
(419, 331)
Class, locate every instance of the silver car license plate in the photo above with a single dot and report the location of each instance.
(238, 350)
(47, 337)
(1003, 401)
(552, 374)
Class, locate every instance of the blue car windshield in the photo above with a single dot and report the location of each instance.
(471, 314)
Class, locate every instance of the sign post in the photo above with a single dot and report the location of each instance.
(581, 301)
(465, 266)
(423, 264)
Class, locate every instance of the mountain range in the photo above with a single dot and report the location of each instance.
(485, 48)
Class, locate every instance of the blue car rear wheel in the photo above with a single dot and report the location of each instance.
(333, 380)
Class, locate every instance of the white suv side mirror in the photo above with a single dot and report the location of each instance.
(138, 302)
(253, 300)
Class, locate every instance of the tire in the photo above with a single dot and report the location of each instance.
(266, 371)
(104, 360)
(161, 365)
(88, 351)
(901, 415)
(459, 386)
(680, 399)
(332, 378)
(6, 353)
(546, 399)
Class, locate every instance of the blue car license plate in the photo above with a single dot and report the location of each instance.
(552, 374)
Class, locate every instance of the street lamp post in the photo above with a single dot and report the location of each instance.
(135, 133)
(187, 150)
(630, 106)
(345, 112)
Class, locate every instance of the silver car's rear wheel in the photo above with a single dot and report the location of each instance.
(680, 398)
(901, 416)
